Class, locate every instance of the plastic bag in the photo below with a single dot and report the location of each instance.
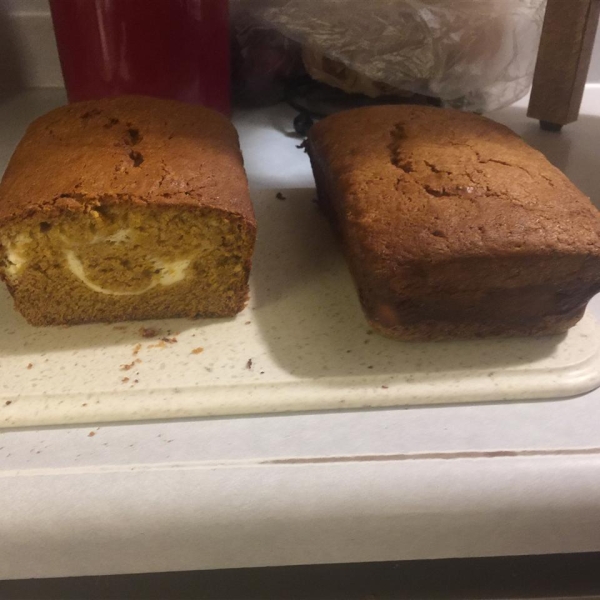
(264, 60)
(477, 55)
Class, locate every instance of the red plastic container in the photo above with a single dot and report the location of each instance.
(167, 48)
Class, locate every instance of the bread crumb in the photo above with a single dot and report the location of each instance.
(160, 344)
(247, 322)
(125, 379)
(149, 332)
(91, 434)
(198, 350)
(130, 365)
(384, 387)
(169, 340)
(136, 349)
(84, 404)
(249, 364)
(30, 365)
(8, 403)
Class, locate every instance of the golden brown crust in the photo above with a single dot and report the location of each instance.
(129, 149)
(449, 218)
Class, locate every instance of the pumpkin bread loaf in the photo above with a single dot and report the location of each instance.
(453, 226)
(126, 208)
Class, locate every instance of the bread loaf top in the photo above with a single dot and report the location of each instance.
(421, 183)
(127, 149)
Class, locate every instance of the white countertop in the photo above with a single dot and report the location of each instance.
(445, 481)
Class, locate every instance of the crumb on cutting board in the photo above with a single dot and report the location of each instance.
(249, 364)
(163, 342)
(136, 349)
(149, 332)
(30, 366)
(198, 350)
(130, 365)
(91, 434)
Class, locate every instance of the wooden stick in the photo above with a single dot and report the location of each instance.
(563, 61)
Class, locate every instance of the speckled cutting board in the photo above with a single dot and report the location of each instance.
(302, 344)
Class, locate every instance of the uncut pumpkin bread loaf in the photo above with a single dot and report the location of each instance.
(453, 226)
(126, 208)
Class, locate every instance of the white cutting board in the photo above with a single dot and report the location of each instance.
(302, 344)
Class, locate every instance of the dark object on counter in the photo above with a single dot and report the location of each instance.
(314, 100)
(177, 49)
(302, 123)
(453, 226)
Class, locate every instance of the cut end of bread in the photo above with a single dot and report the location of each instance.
(112, 262)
